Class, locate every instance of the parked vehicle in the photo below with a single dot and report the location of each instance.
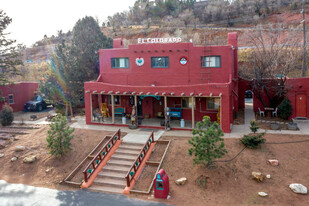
(248, 94)
(36, 104)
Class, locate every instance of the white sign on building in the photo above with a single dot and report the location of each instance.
(158, 40)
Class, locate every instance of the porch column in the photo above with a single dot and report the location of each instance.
(135, 102)
(91, 112)
(165, 103)
(193, 123)
(113, 108)
(100, 100)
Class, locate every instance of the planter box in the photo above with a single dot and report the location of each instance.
(292, 126)
(274, 126)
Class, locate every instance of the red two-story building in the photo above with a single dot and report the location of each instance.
(193, 81)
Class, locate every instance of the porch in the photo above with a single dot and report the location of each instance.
(185, 111)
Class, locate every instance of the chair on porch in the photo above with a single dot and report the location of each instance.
(275, 113)
(104, 110)
(261, 112)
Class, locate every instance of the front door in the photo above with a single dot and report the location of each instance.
(301, 105)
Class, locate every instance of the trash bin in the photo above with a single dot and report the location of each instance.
(182, 123)
(161, 185)
(124, 120)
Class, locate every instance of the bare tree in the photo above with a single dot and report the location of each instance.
(275, 52)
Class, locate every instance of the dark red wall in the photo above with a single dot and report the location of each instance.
(176, 80)
(22, 92)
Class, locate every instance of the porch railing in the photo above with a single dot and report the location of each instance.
(131, 173)
(100, 156)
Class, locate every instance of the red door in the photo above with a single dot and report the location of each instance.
(301, 105)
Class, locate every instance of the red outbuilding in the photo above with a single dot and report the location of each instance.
(156, 73)
(17, 94)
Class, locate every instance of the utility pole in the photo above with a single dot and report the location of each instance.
(305, 50)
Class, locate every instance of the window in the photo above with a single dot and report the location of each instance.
(159, 62)
(186, 102)
(213, 61)
(116, 100)
(11, 99)
(213, 103)
(120, 62)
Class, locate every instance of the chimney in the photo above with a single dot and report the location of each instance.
(117, 43)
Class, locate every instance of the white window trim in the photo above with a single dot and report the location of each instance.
(12, 98)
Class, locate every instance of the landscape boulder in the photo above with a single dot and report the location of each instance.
(2, 144)
(298, 188)
(1, 155)
(19, 148)
(258, 176)
(273, 162)
(268, 176)
(262, 194)
(29, 159)
(14, 159)
(181, 181)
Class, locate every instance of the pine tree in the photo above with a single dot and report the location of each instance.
(207, 142)
(9, 55)
(59, 136)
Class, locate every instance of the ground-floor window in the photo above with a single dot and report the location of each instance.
(116, 100)
(213, 103)
(186, 102)
(11, 99)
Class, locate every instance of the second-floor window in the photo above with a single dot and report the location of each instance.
(119, 63)
(159, 62)
(211, 61)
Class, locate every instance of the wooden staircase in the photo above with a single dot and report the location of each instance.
(112, 178)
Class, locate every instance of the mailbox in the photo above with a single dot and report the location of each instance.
(161, 185)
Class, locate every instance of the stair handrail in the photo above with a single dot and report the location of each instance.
(100, 156)
(130, 175)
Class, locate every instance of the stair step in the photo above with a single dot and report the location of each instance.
(115, 168)
(113, 175)
(131, 147)
(119, 162)
(124, 157)
(125, 151)
(99, 188)
(119, 183)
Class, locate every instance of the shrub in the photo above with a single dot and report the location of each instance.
(253, 141)
(59, 136)
(285, 109)
(207, 142)
(253, 126)
(6, 115)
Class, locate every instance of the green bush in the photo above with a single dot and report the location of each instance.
(6, 115)
(253, 141)
(285, 109)
(253, 126)
(59, 136)
(207, 142)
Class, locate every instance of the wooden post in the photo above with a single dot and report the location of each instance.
(91, 112)
(165, 103)
(135, 102)
(100, 101)
(193, 123)
(113, 108)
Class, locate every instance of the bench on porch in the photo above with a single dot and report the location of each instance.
(175, 112)
(119, 110)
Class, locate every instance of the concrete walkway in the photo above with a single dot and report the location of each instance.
(19, 194)
(140, 135)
